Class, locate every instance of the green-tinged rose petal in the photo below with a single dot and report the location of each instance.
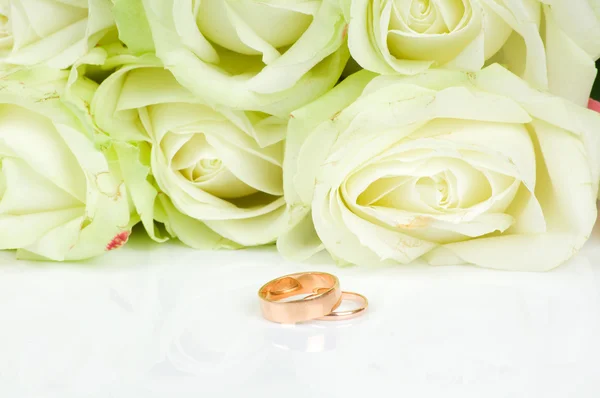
(301, 127)
(299, 188)
(133, 26)
(143, 194)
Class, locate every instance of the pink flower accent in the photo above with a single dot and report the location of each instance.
(118, 241)
(594, 105)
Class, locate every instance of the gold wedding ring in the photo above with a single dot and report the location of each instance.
(345, 315)
(306, 296)
(323, 292)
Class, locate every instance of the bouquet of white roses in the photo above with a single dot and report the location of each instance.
(382, 131)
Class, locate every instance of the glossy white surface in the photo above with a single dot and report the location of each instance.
(166, 321)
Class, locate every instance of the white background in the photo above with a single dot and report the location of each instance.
(166, 321)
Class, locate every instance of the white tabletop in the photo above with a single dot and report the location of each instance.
(166, 321)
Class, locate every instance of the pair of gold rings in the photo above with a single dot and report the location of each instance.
(307, 296)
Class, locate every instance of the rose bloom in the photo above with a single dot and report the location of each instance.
(54, 32)
(59, 197)
(269, 55)
(213, 177)
(530, 37)
(451, 167)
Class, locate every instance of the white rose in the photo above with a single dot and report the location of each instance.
(452, 167)
(54, 32)
(211, 176)
(261, 55)
(408, 37)
(59, 199)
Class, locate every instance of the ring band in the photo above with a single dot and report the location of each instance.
(323, 290)
(344, 315)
